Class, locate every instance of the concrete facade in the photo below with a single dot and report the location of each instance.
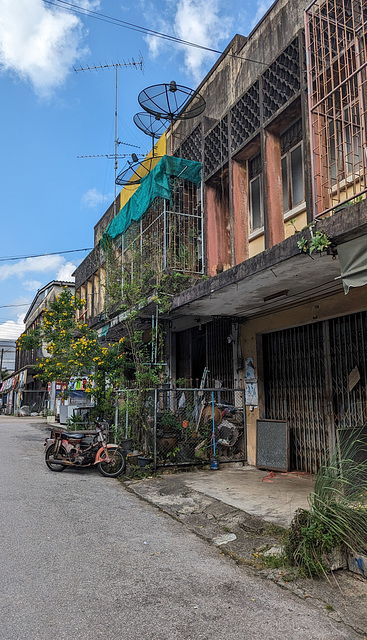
(254, 143)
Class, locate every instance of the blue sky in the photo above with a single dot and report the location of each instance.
(50, 114)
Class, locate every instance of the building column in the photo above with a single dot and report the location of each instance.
(241, 214)
(274, 222)
(217, 231)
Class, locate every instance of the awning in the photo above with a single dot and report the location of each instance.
(353, 262)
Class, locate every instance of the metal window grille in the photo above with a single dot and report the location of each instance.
(336, 32)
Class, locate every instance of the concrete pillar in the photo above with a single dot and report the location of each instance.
(241, 212)
(218, 243)
(273, 190)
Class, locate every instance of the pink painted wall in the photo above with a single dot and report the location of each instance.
(218, 245)
(273, 190)
(240, 212)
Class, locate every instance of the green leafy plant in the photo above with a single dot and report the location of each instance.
(338, 510)
(292, 223)
(169, 420)
(319, 242)
(302, 245)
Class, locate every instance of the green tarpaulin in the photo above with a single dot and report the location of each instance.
(353, 262)
(154, 184)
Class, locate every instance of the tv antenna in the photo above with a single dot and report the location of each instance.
(116, 66)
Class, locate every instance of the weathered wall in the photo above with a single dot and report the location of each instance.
(217, 232)
(244, 60)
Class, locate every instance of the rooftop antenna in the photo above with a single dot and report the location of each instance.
(136, 65)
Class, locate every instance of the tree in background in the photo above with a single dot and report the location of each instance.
(73, 350)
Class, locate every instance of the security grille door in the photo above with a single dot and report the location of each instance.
(316, 379)
(295, 391)
(348, 340)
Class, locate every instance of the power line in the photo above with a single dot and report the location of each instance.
(73, 8)
(41, 255)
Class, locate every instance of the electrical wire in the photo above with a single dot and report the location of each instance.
(73, 8)
(41, 255)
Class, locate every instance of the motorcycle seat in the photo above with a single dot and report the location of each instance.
(71, 435)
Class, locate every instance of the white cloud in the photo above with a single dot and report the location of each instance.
(32, 285)
(40, 43)
(93, 198)
(262, 7)
(200, 21)
(42, 264)
(11, 330)
(65, 272)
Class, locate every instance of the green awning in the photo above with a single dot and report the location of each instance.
(154, 184)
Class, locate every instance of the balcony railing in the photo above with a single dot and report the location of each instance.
(170, 234)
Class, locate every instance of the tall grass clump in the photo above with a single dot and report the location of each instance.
(337, 514)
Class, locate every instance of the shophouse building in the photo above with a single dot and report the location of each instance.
(278, 226)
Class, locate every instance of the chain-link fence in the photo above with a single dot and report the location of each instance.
(182, 426)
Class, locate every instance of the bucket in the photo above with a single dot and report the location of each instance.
(126, 444)
(214, 464)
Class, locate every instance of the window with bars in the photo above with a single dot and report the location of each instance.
(345, 148)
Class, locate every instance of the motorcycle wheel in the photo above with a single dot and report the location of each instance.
(115, 467)
(50, 454)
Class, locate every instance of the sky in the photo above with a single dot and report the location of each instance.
(50, 114)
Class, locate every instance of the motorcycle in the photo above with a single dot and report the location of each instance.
(84, 449)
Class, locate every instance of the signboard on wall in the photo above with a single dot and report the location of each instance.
(272, 445)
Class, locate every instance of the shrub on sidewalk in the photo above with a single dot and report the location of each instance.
(337, 516)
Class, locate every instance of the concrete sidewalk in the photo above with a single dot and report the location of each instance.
(275, 497)
(241, 510)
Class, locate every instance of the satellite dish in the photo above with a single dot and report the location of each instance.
(135, 171)
(171, 101)
(154, 126)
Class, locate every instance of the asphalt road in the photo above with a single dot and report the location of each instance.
(81, 558)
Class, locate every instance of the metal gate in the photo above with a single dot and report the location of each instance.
(315, 378)
(295, 391)
(348, 340)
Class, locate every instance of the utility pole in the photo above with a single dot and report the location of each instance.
(137, 65)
